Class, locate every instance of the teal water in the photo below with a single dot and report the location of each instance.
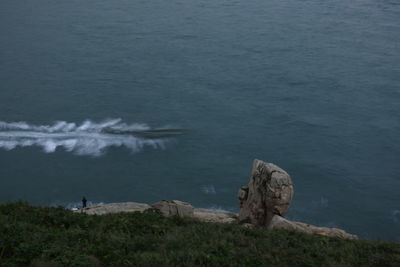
(312, 86)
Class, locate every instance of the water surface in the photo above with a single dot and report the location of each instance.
(308, 85)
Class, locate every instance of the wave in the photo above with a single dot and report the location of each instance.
(208, 189)
(396, 216)
(87, 139)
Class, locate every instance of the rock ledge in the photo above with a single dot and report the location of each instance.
(263, 203)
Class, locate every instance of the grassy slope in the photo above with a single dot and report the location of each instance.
(58, 237)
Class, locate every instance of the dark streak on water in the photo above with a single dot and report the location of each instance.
(313, 86)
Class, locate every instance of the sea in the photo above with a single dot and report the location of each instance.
(312, 86)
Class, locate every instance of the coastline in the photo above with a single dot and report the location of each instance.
(263, 203)
(184, 209)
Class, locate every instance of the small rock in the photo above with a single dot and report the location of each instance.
(248, 225)
(174, 208)
(278, 222)
(217, 216)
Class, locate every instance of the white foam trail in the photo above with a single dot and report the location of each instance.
(87, 138)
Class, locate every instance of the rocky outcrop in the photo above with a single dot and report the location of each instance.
(174, 208)
(115, 208)
(269, 193)
(279, 222)
(166, 208)
(267, 198)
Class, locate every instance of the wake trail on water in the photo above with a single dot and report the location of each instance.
(88, 138)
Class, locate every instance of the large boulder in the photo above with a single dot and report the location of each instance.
(278, 222)
(269, 193)
(174, 208)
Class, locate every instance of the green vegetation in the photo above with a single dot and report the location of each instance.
(57, 237)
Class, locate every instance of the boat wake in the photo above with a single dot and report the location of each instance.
(88, 138)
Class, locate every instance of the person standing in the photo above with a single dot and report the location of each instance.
(84, 201)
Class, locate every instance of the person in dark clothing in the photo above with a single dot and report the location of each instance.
(84, 201)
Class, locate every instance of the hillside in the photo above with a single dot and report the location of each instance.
(40, 236)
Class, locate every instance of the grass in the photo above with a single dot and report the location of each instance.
(37, 236)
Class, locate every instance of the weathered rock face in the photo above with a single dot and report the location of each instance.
(278, 222)
(174, 208)
(269, 193)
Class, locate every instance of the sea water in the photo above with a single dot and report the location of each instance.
(312, 86)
